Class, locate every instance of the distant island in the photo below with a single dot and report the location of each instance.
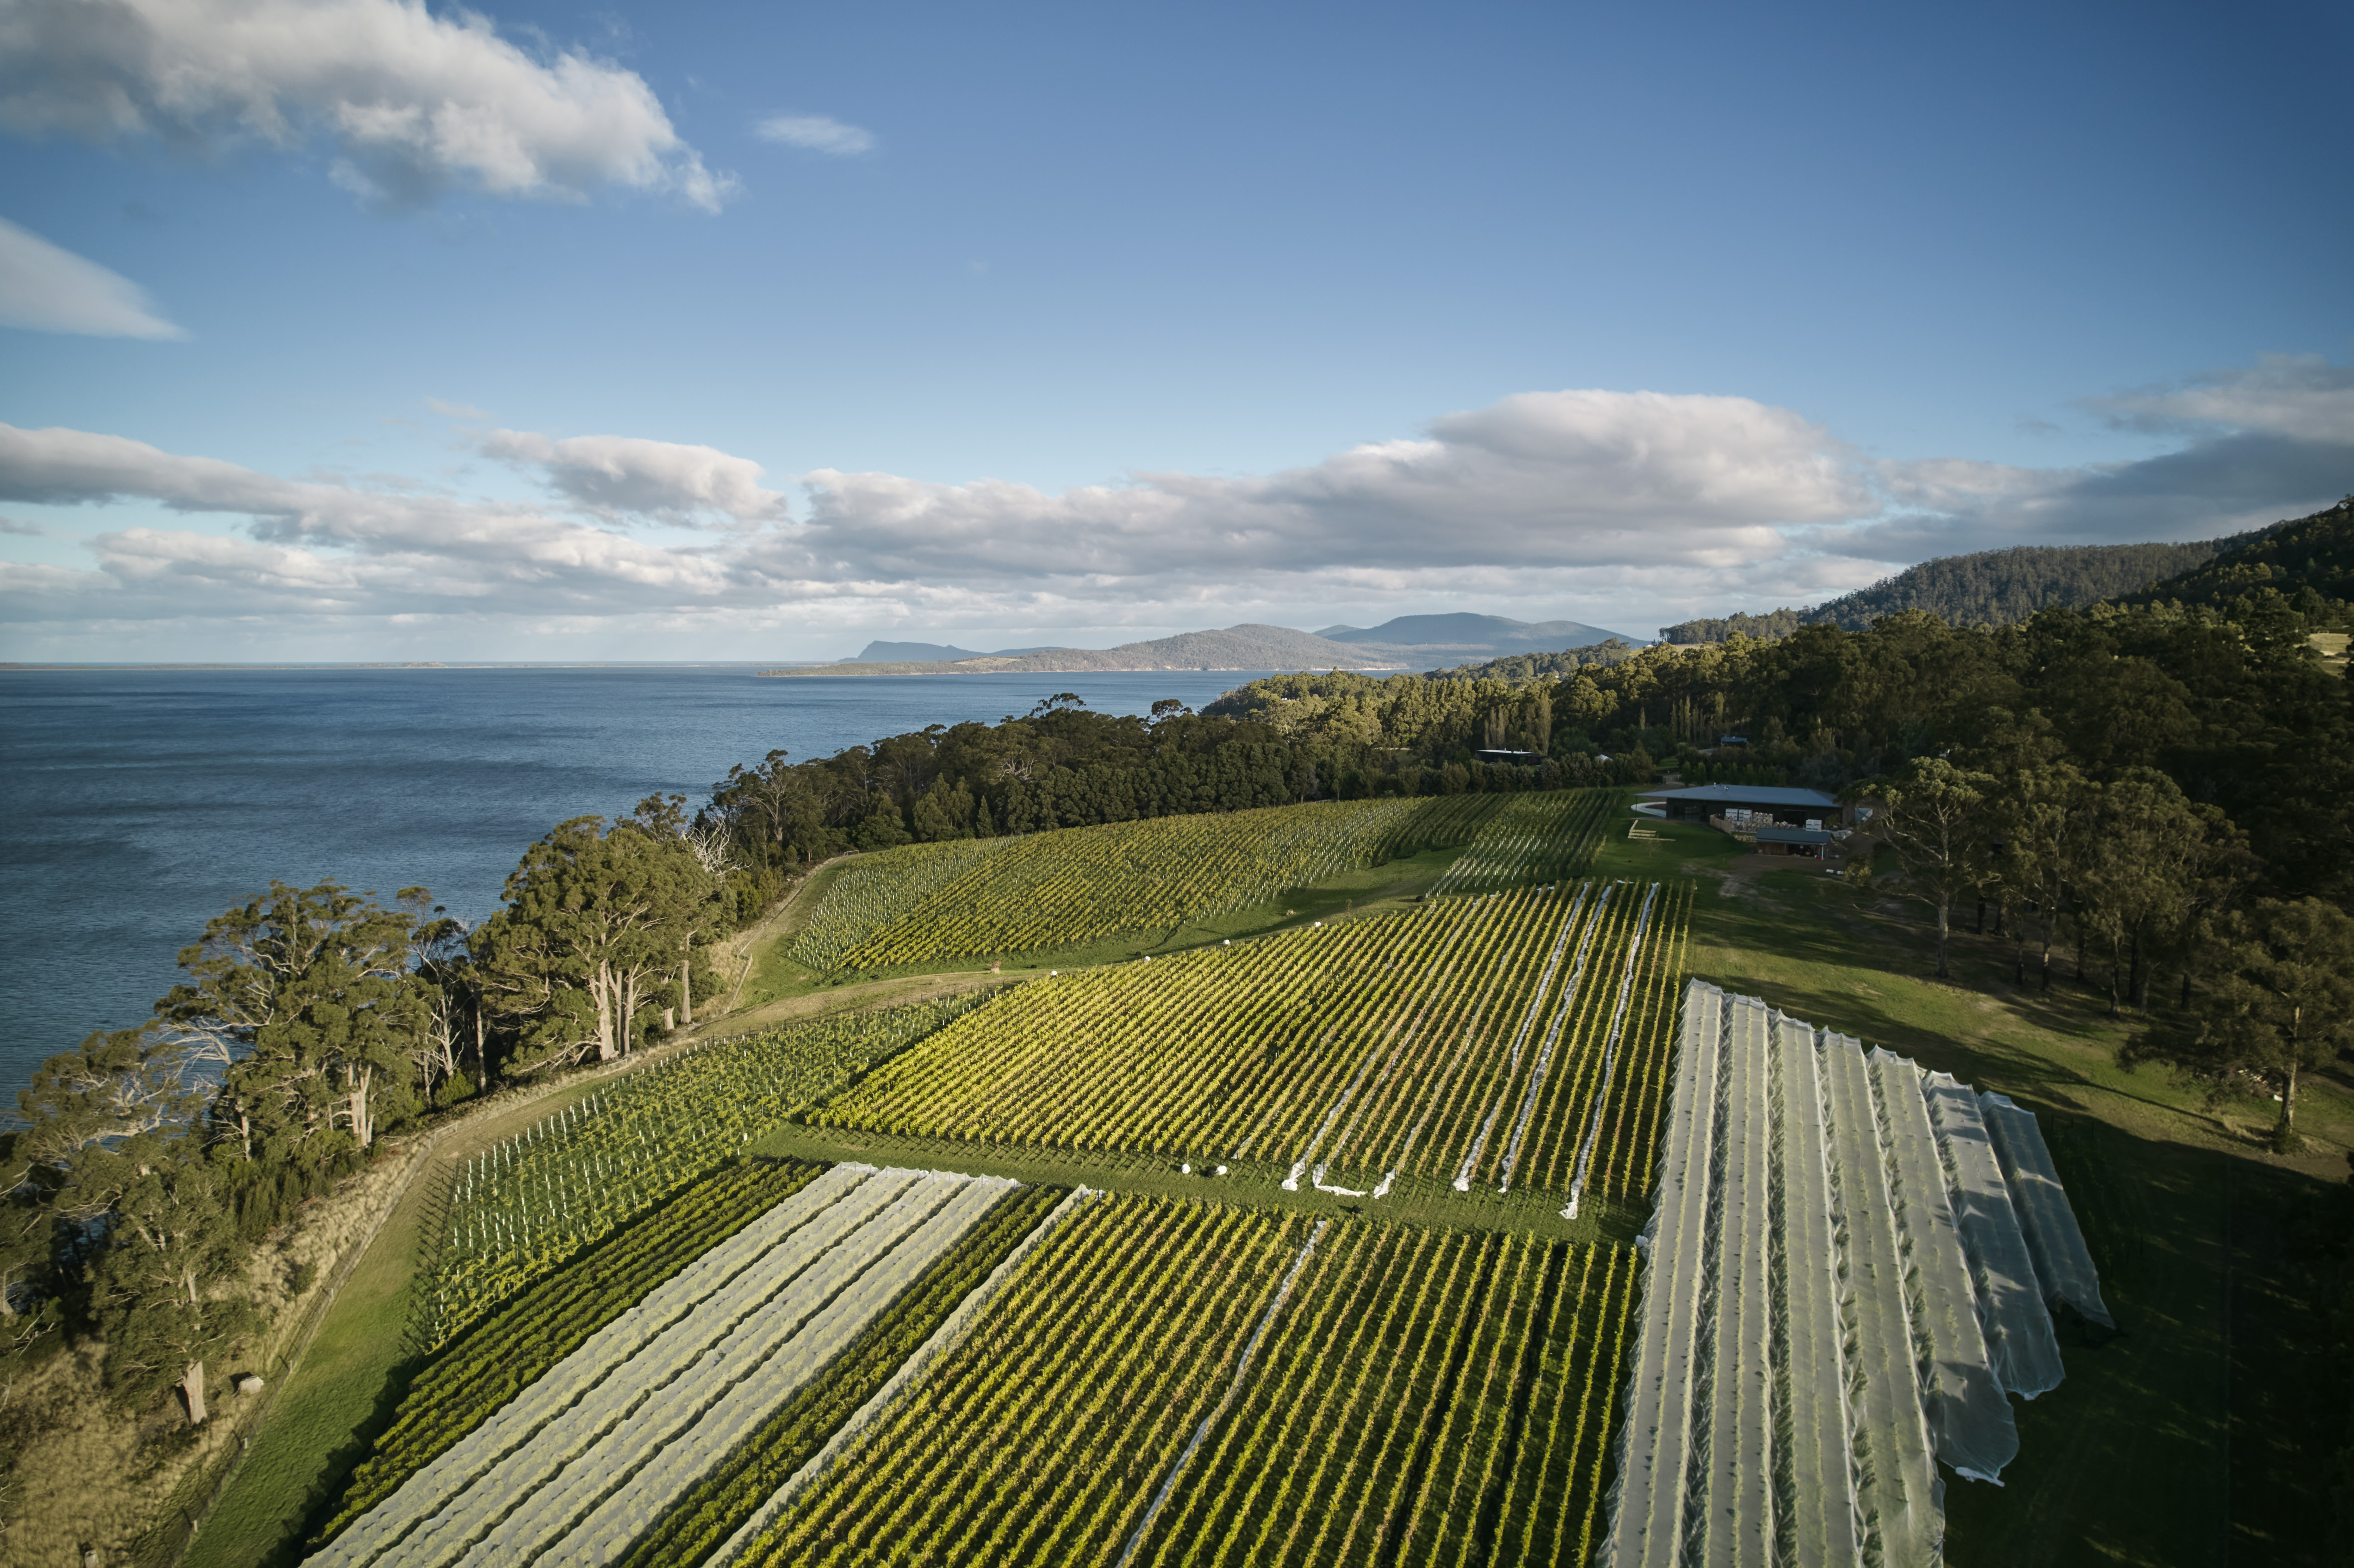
(1409, 641)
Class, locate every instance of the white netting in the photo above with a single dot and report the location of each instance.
(2063, 1265)
(2020, 1340)
(1895, 1478)
(1813, 1473)
(1647, 1499)
(1969, 1417)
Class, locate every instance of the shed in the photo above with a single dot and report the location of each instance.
(1770, 803)
(1792, 840)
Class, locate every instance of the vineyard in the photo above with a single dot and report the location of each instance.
(1513, 1040)
(1874, 1250)
(626, 1426)
(1171, 1381)
(1077, 885)
(526, 1204)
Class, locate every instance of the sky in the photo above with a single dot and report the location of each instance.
(354, 330)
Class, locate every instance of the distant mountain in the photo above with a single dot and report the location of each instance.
(1991, 587)
(1464, 633)
(903, 653)
(1235, 647)
(2315, 552)
(930, 652)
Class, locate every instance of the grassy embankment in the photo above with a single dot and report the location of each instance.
(2200, 1435)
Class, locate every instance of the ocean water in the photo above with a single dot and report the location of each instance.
(140, 803)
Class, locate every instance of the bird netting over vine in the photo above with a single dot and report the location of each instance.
(1848, 1267)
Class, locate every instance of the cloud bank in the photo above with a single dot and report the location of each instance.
(50, 290)
(415, 103)
(1617, 507)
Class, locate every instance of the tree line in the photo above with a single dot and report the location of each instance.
(310, 1021)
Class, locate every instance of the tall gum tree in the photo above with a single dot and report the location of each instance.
(309, 999)
(2280, 1003)
(1939, 822)
(583, 955)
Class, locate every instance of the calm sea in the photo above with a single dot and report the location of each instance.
(138, 804)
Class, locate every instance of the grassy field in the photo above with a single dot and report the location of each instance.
(2194, 1436)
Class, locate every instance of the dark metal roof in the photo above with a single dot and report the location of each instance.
(1745, 795)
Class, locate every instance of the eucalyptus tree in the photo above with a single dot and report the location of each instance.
(2042, 815)
(586, 953)
(1940, 823)
(308, 1001)
(2279, 1003)
(167, 1288)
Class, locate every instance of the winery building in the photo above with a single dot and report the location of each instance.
(1761, 804)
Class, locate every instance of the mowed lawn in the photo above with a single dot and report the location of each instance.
(2203, 1432)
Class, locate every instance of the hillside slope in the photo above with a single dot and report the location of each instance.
(1990, 587)
(1244, 647)
(1469, 635)
(2315, 552)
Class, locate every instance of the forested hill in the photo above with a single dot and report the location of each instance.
(1992, 587)
(2310, 556)
(1539, 666)
(1235, 647)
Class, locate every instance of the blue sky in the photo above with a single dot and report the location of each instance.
(749, 332)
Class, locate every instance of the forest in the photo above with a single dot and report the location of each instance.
(1992, 587)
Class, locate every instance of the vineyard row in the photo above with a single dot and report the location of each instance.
(1515, 1038)
(1175, 1382)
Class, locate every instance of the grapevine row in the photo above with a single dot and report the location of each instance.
(1077, 885)
(1418, 1395)
(1425, 1046)
(524, 1206)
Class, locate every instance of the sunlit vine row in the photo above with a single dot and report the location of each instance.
(1076, 885)
(1481, 1040)
(1182, 1383)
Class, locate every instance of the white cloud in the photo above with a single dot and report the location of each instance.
(415, 103)
(456, 410)
(50, 290)
(816, 134)
(1623, 510)
(621, 476)
(2303, 396)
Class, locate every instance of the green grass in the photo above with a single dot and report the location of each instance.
(1481, 1210)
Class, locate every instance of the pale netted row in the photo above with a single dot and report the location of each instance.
(1832, 1296)
(1182, 1383)
(613, 1436)
(1459, 1042)
(1536, 838)
(531, 1201)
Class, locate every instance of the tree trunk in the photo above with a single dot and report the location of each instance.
(2285, 1131)
(1980, 927)
(603, 982)
(191, 1386)
(363, 1125)
(1944, 926)
(2000, 909)
(687, 986)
